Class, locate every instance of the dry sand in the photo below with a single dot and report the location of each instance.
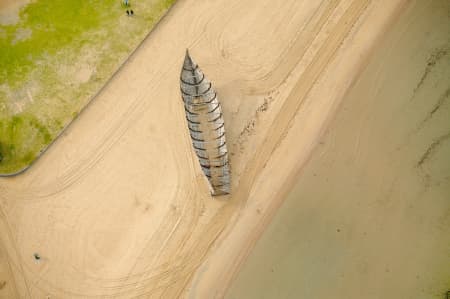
(9, 11)
(118, 206)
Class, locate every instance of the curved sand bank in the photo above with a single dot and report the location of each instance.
(118, 206)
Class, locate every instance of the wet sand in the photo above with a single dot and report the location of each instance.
(369, 214)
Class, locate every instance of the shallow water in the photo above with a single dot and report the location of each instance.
(369, 214)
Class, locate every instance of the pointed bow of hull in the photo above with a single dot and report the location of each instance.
(206, 125)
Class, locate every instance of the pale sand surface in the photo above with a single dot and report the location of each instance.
(369, 216)
(9, 11)
(118, 206)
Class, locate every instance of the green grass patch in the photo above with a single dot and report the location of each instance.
(16, 134)
(51, 26)
(54, 60)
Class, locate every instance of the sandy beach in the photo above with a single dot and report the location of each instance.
(118, 206)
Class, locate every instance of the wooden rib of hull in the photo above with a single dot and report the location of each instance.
(206, 126)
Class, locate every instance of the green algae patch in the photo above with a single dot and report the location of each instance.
(52, 62)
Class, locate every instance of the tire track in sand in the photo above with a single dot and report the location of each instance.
(274, 137)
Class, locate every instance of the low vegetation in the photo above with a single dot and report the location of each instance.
(54, 59)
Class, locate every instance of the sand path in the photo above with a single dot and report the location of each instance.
(118, 205)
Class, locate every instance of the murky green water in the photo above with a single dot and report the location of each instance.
(370, 214)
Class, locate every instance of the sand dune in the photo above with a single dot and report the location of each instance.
(118, 206)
